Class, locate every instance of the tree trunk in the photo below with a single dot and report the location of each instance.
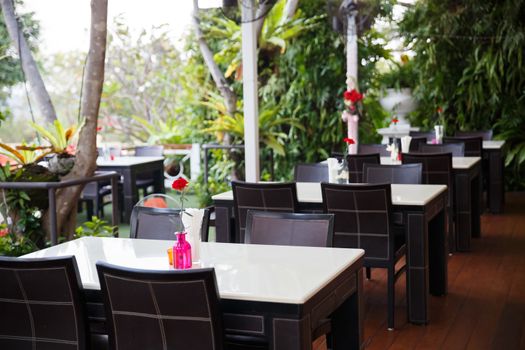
(86, 156)
(230, 99)
(27, 62)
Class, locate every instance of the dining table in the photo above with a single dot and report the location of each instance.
(128, 168)
(423, 210)
(467, 198)
(279, 294)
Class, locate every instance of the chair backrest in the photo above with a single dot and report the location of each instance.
(416, 142)
(311, 230)
(311, 172)
(457, 149)
(473, 145)
(373, 148)
(486, 135)
(161, 223)
(149, 151)
(155, 223)
(41, 305)
(437, 169)
(362, 218)
(392, 174)
(355, 165)
(276, 197)
(429, 135)
(148, 309)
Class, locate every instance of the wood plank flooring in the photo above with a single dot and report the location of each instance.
(485, 305)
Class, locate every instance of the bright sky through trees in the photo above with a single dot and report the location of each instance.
(65, 23)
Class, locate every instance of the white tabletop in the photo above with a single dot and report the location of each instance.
(126, 161)
(493, 144)
(310, 192)
(457, 162)
(282, 274)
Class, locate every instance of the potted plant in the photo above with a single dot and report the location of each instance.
(397, 97)
(60, 145)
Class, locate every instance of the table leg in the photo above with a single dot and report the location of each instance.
(291, 334)
(347, 321)
(131, 195)
(158, 179)
(495, 187)
(438, 255)
(115, 202)
(475, 206)
(417, 267)
(463, 192)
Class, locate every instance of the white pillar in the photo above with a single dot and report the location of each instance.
(352, 65)
(250, 95)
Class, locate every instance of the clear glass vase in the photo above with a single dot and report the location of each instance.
(342, 172)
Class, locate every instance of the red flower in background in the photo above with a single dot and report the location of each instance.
(352, 96)
(349, 141)
(4, 232)
(99, 128)
(395, 120)
(179, 184)
(440, 110)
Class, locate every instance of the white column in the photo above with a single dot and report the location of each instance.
(352, 64)
(250, 95)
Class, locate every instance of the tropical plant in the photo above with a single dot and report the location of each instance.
(23, 154)
(277, 31)
(469, 61)
(60, 140)
(270, 123)
(159, 131)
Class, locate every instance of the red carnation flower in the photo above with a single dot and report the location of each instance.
(349, 141)
(353, 96)
(395, 120)
(99, 128)
(179, 184)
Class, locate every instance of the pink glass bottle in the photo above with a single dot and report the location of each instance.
(182, 252)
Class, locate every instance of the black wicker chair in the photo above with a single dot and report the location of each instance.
(41, 305)
(147, 309)
(355, 165)
(312, 230)
(275, 197)
(311, 172)
(363, 219)
(457, 149)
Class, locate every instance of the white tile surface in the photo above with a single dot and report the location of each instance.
(244, 272)
(493, 144)
(310, 192)
(126, 161)
(457, 162)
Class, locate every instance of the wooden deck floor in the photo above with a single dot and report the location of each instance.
(485, 305)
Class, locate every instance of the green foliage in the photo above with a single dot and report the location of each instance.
(11, 245)
(469, 61)
(270, 123)
(95, 228)
(142, 82)
(58, 138)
